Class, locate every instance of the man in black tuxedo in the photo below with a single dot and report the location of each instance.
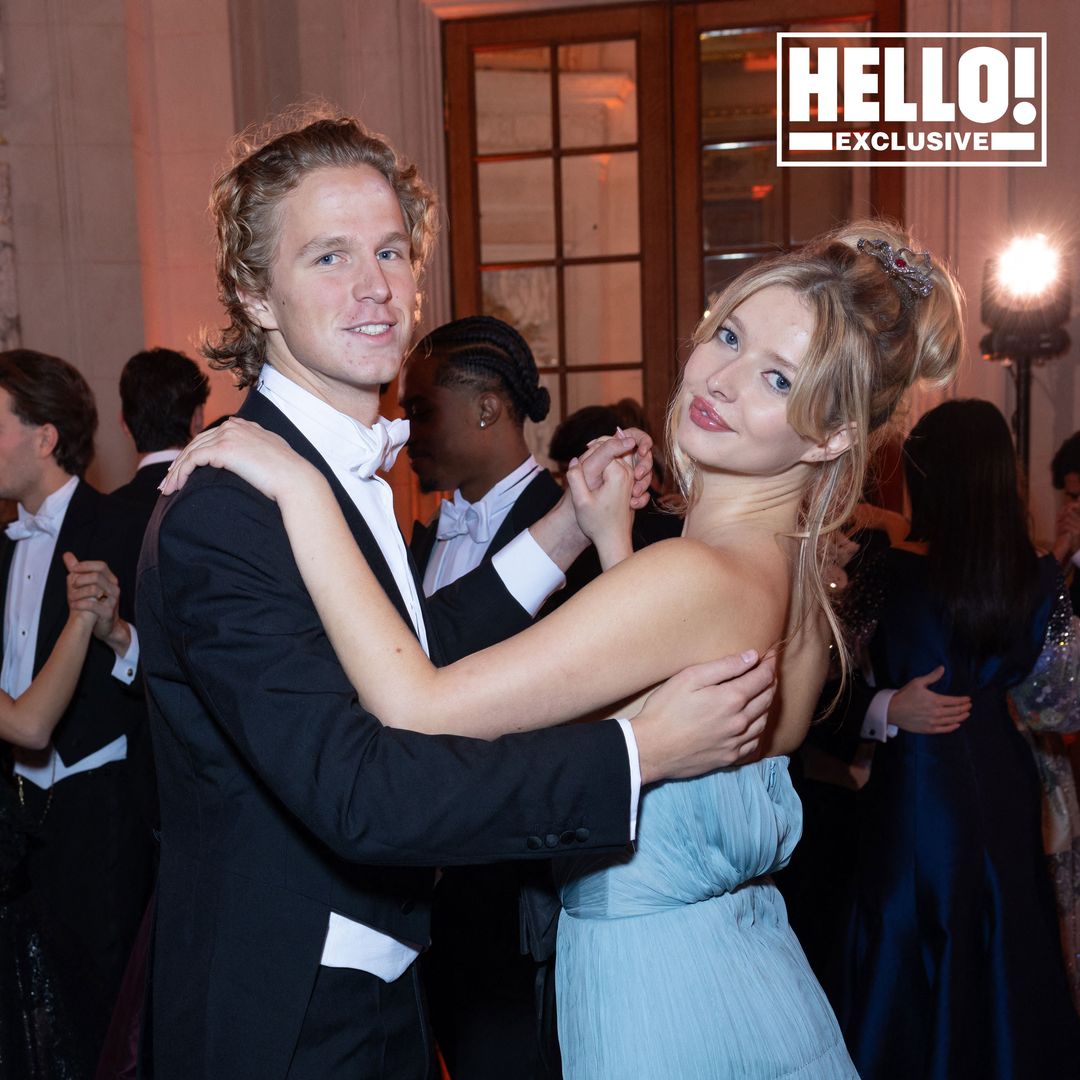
(90, 866)
(162, 395)
(296, 831)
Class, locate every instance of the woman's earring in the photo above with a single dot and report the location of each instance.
(483, 423)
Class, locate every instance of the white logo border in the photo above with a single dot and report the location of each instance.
(943, 35)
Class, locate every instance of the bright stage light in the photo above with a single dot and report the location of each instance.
(1026, 299)
(1027, 267)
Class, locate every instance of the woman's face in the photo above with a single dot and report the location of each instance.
(736, 385)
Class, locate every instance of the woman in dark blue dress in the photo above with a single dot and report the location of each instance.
(953, 966)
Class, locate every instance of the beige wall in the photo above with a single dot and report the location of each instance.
(67, 127)
(118, 112)
(118, 115)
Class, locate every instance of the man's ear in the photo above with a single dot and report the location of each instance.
(490, 407)
(839, 442)
(45, 440)
(258, 309)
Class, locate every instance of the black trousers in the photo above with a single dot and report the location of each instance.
(90, 867)
(358, 1027)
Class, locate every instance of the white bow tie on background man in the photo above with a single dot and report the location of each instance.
(377, 447)
(458, 517)
(27, 525)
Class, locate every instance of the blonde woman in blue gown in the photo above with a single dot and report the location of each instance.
(676, 960)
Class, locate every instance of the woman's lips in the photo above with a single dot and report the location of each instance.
(705, 416)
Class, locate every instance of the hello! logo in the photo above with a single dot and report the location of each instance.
(905, 100)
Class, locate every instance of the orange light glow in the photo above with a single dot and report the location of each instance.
(756, 62)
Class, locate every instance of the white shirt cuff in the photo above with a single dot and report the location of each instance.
(875, 724)
(635, 772)
(125, 667)
(527, 572)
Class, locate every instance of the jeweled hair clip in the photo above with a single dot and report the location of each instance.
(913, 268)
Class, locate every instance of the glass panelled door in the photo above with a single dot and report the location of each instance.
(740, 205)
(558, 190)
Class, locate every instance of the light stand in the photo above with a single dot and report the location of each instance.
(1026, 300)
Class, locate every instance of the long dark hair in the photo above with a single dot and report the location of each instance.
(966, 506)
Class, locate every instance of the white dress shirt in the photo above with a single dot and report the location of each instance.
(464, 530)
(341, 440)
(30, 562)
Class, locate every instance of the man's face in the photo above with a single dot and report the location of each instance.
(340, 306)
(443, 424)
(21, 464)
(1072, 489)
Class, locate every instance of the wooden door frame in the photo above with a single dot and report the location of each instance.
(690, 20)
(669, 105)
(650, 25)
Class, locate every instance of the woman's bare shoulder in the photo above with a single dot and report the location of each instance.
(702, 579)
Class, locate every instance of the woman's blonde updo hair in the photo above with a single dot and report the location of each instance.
(873, 338)
(245, 206)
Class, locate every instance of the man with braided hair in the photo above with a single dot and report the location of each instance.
(467, 390)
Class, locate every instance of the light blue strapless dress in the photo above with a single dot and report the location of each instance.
(677, 962)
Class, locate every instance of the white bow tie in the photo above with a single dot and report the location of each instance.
(457, 518)
(27, 525)
(377, 447)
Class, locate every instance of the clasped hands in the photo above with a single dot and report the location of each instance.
(93, 593)
(606, 485)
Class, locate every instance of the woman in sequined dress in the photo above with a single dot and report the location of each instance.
(952, 967)
(38, 1039)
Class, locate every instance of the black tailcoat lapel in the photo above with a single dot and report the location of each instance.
(258, 408)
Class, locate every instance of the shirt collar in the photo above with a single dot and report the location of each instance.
(507, 490)
(335, 435)
(54, 506)
(158, 457)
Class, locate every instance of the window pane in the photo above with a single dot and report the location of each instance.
(738, 85)
(603, 313)
(598, 94)
(721, 269)
(601, 388)
(526, 300)
(538, 436)
(742, 200)
(600, 205)
(517, 210)
(513, 100)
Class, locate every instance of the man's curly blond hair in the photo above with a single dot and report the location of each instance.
(245, 202)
